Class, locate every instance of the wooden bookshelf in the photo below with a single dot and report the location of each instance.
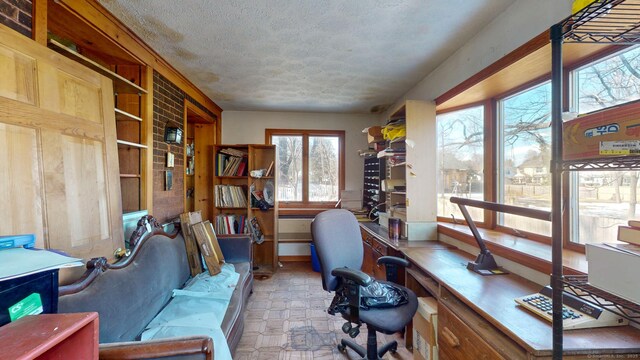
(265, 255)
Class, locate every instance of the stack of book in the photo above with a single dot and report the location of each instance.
(231, 224)
(230, 196)
(231, 162)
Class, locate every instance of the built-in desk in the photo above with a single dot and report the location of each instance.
(482, 311)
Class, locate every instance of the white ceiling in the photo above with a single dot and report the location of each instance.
(353, 56)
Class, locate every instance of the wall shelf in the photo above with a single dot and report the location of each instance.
(125, 116)
(120, 84)
(131, 144)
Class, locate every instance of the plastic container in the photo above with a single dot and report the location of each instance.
(315, 262)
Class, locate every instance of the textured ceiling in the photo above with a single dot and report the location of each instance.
(354, 56)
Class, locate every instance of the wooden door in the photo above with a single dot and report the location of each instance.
(58, 152)
(203, 183)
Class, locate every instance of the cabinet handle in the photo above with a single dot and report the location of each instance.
(450, 338)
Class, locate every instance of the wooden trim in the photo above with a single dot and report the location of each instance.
(39, 22)
(523, 234)
(507, 60)
(295, 258)
(531, 254)
(490, 159)
(160, 348)
(146, 136)
(93, 13)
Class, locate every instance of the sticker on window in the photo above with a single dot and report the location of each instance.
(31, 305)
(602, 130)
(628, 147)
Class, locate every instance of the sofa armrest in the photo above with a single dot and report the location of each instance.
(235, 249)
(192, 347)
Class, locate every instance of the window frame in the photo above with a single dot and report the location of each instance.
(306, 133)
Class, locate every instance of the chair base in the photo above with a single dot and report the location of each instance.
(371, 352)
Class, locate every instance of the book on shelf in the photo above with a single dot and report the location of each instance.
(234, 152)
(230, 165)
(256, 232)
(230, 224)
(230, 196)
(270, 170)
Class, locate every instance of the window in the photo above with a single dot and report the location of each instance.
(603, 200)
(611, 81)
(525, 155)
(310, 166)
(460, 160)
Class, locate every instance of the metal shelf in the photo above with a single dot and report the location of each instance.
(604, 22)
(604, 164)
(578, 285)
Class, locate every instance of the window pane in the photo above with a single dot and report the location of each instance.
(610, 82)
(323, 168)
(289, 153)
(460, 160)
(525, 178)
(606, 199)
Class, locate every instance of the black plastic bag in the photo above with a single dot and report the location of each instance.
(375, 295)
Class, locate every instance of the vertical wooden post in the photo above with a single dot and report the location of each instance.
(146, 138)
(39, 18)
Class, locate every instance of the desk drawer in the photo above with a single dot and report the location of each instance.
(457, 341)
(380, 248)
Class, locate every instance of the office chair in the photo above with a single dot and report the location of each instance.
(338, 243)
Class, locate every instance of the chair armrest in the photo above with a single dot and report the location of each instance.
(192, 347)
(356, 276)
(235, 249)
(392, 260)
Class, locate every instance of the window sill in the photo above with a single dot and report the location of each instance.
(533, 254)
(300, 212)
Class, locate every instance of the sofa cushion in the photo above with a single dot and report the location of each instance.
(128, 298)
(237, 303)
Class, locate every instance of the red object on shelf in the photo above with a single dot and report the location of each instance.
(51, 336)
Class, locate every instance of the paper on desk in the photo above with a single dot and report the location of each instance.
(17, 262)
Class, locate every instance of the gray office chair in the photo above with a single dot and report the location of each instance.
(338, 243)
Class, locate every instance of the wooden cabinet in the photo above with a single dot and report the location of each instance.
(59, 169)
(51, 336)
(374, 248)
(457, 341)
(256, 157)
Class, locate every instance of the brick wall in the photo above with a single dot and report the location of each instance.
(16, 14)
(168, 110)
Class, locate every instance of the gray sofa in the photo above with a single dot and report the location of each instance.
(129, 294)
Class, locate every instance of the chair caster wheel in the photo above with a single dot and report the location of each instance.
(354, 332)
(342, 348)
(346, 327)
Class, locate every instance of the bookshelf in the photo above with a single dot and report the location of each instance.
(410, 190)
(233, 172)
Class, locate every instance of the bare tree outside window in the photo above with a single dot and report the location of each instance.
(609, 198)
(460, 160)
(289, 153)
(323, 168)
(524, 164)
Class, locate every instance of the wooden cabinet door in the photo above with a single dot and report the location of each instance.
(367, 261)
(58, 154)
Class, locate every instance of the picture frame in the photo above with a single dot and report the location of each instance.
(170, 159)
(168, 180)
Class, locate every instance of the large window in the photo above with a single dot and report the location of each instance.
(310, 166)
(525, 155)
(611, 81)
(603, 200)
(460, 160)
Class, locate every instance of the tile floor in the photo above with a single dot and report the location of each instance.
(287, 319)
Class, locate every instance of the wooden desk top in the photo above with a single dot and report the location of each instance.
(492, 298)
(382, 235)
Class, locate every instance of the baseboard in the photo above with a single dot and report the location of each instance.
(295, 258)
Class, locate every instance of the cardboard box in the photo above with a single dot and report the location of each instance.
(374, 134)
(615, 271)
(598, 136)
(425, 324)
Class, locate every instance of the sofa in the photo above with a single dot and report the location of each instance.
(128, 295)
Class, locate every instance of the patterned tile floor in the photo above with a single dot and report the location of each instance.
(287, 319)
